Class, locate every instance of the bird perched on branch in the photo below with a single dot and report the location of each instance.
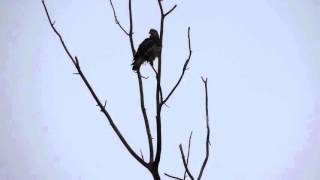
(148, 50)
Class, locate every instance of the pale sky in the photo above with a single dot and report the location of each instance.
(261, 58)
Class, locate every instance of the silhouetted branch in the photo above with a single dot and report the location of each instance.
(145, 117)
(104, 111)
(185, 162)
(116, 19)
(173, 177)
(59, 36)
(159, 97)
(159, 93)
(139, 76)
(183, 70)
(105, 104)
(205, 81)
(143, 109)
(156, 73)
(144, 77)
(173, 8)
(131, 29)
(141, 154)
(154, 70)
(77, 61)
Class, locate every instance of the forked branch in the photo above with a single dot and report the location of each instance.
(186, 160)
(139, 76)
(159, 95)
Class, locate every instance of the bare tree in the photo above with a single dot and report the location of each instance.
(152, 164)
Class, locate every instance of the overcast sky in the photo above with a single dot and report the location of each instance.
(262, 58)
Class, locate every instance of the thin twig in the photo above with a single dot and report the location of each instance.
(131, 29)
(173, 177)
(154, 70)
(116, 19)
(159, 97)
(105, 104)
(104, 111)
(185, 66)
(188, 155)
(141, 154)
(173, 8)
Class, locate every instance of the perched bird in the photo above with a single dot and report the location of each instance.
(148, 50)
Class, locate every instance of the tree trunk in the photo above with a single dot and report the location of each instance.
(154, 170)
(156, 175)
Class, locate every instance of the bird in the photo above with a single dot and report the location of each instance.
(148, 50)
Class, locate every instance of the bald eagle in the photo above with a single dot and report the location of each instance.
(148, 50)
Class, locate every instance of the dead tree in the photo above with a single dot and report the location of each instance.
(152, 164)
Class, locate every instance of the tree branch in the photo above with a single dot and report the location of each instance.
(104, 111)
(188, 155)
(183, 70)
(173, 177)
(145, 117)
(139, 77)
(158, 93)
(159, 101)
(173, 8)
(205, 81)
(185, 162)
(116, 19)
(156, 73)
(131, 30)
(204, 163)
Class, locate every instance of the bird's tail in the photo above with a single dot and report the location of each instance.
(136, 64)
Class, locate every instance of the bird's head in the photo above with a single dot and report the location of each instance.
(153, 33)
